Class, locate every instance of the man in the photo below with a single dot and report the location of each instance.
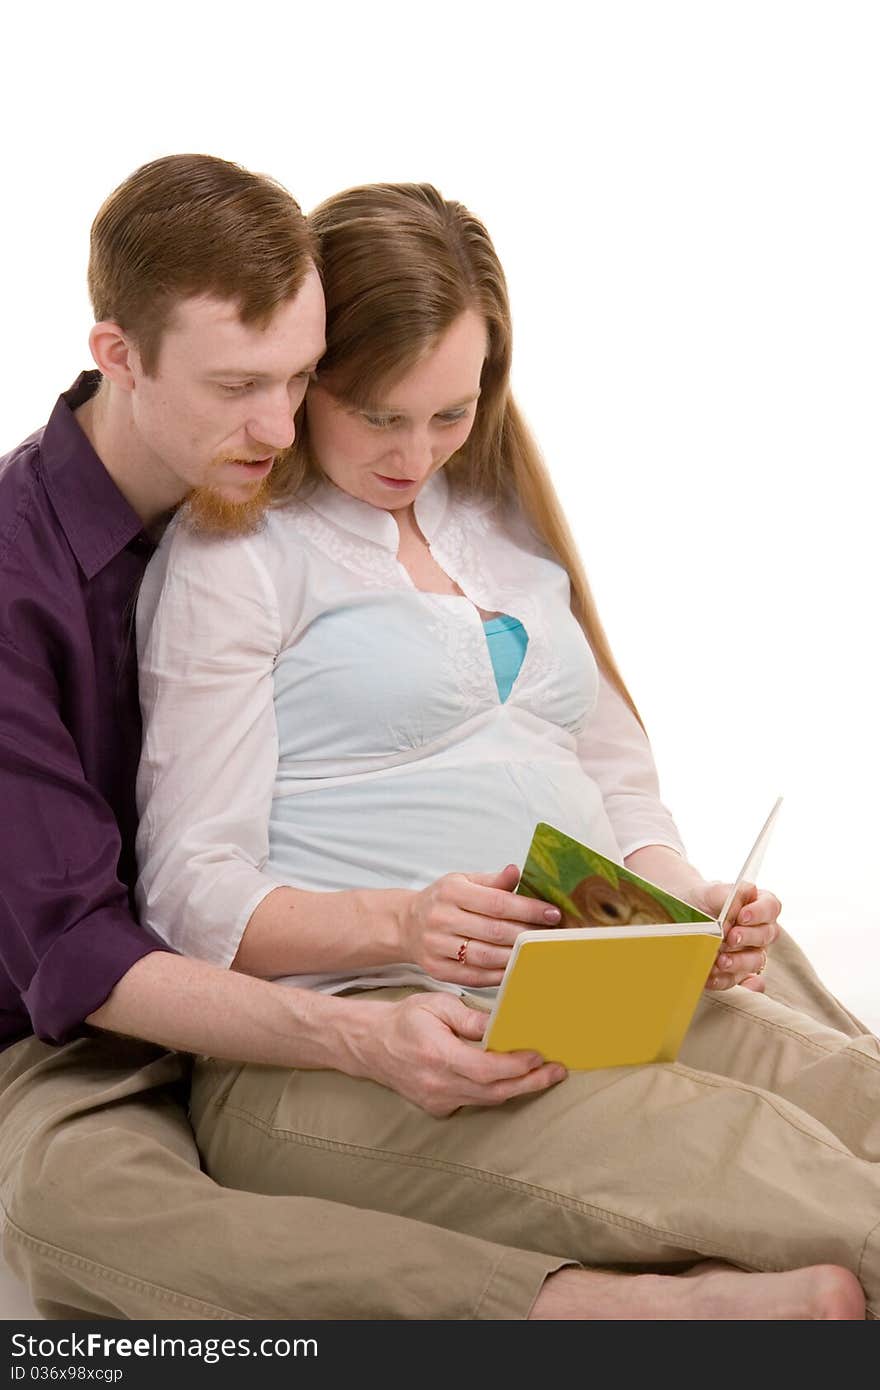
(198, 266)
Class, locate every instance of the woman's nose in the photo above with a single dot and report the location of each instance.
(417, 455)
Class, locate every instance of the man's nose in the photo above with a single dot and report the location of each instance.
(273, 423)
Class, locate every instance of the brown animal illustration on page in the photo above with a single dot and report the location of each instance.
(599, 904)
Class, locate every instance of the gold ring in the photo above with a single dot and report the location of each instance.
(763, 962)
(462, 953)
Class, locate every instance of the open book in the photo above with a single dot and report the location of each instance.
(617, 983)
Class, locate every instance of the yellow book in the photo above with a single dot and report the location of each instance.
(617, 983)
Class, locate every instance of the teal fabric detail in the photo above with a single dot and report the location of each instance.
(507, 640)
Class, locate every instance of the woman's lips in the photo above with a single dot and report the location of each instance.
(398, 484)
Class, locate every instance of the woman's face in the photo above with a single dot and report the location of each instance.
(386, 454)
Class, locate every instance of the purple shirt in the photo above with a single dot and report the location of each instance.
(72, 553)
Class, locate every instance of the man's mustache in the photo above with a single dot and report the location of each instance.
(272, 454)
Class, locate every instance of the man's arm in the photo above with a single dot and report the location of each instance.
(66, 930)
(425, 1046)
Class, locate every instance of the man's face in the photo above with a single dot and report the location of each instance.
(219, 408)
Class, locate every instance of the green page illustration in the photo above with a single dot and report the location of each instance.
(592, 891)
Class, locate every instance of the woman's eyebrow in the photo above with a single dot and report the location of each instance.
(395, 410)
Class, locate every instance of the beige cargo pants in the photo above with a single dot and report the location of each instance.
(760, 1146)
(105, 1212)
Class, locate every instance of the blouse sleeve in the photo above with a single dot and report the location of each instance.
(614, 751)
(208, 636)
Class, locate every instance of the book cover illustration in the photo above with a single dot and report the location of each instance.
(592, 891)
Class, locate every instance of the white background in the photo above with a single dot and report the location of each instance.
(686, 200)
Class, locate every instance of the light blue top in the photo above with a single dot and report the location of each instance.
(507, 640)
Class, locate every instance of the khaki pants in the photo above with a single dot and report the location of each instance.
(106, 1213)
(760, 1146)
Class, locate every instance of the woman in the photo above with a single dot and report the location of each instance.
(376, 696)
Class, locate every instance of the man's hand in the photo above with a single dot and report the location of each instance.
(425, 1048)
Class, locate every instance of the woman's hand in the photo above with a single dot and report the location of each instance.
(461, 927)
(750, 929)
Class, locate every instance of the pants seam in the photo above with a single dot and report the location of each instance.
(768, 1099)
(771, 1026)
(67, 1259)
(862, 1256)
(492, 1275)
(688, 1241)
(692, 1074)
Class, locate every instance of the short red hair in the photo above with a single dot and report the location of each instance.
(192, 224)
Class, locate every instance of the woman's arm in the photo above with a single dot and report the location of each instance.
(209, 634)
(460, 928)
(294, 931)
(615, 751)
(752, 920)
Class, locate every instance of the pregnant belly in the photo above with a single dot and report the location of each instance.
(409, 828)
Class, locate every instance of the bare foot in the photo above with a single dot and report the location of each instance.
(711, 1290)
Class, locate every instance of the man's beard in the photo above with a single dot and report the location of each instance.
(209, 513)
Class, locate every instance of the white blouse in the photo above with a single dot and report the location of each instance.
(311, 718)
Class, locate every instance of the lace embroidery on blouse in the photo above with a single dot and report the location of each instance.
(375, 566)
(465, 645)
(457, 551)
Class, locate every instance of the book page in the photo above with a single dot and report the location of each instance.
(752, 865)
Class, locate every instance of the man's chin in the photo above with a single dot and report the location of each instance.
(212, 513)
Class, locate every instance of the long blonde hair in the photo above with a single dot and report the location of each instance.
(400, 265)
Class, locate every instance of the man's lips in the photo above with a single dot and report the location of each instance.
(258, 467)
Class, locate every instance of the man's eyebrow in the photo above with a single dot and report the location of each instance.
(242, 374)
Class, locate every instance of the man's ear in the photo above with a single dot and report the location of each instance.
(115, 355)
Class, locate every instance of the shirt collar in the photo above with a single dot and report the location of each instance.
(375, 524)
(94, 515)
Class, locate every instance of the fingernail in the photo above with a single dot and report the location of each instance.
(737, 938)
(552, 914)
(724, 962)
(559, 1073)
(745, 916)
